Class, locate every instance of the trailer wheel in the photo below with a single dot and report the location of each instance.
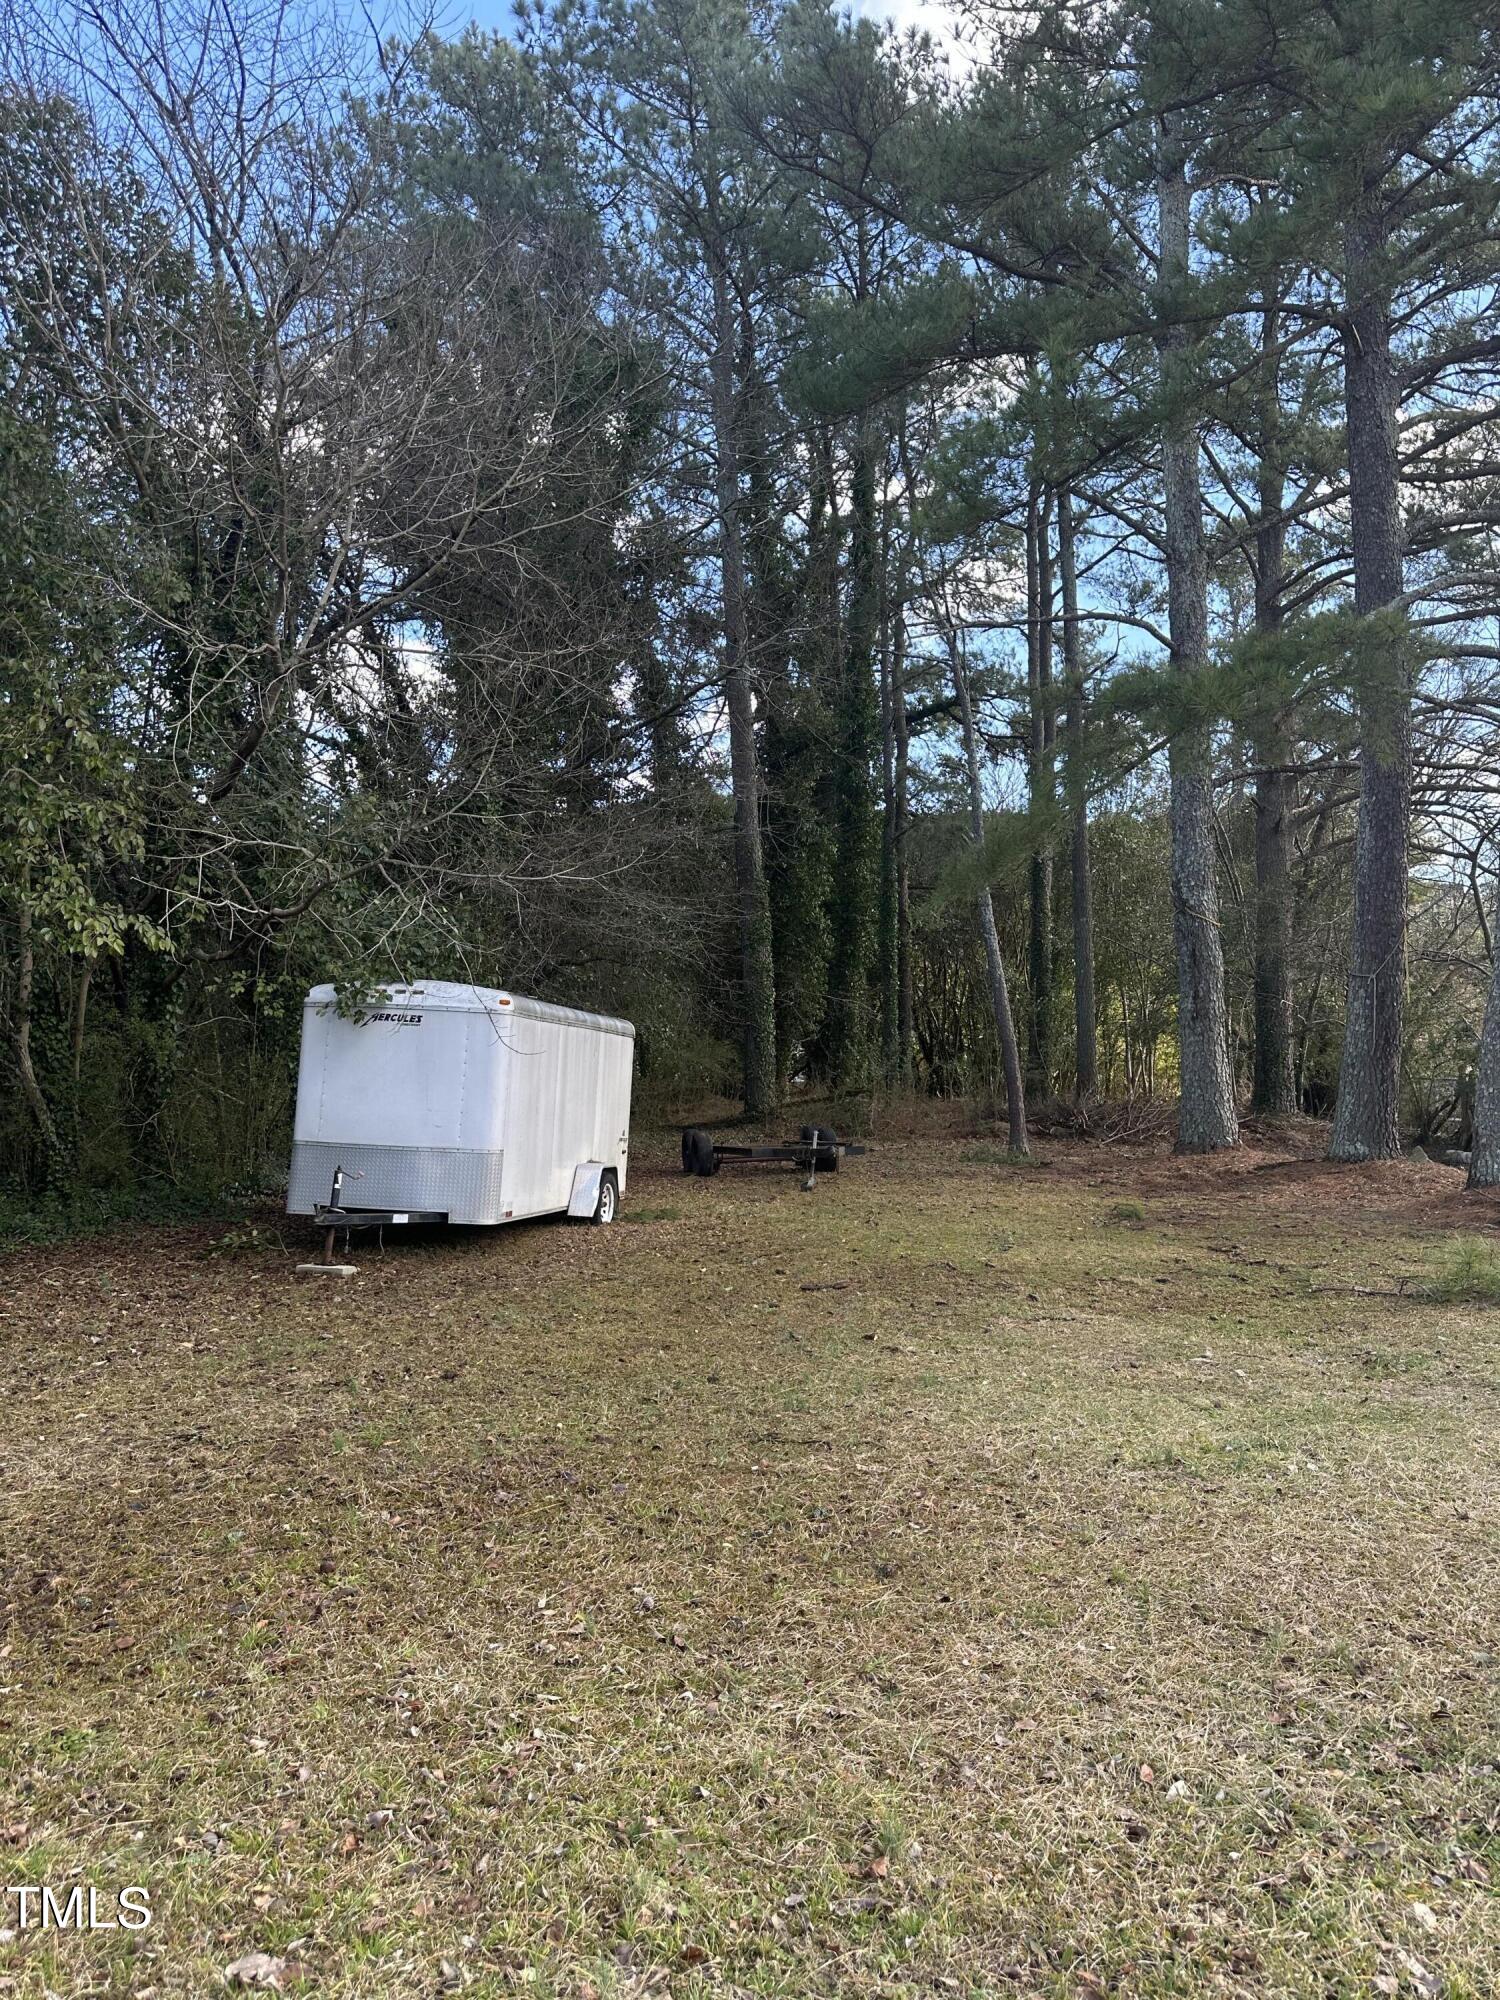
(698, 1154)
(608, 1205)
(826, 1140)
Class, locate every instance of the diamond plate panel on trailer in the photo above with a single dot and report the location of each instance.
(448, 1180)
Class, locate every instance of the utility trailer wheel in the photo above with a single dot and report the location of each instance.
(608, 1205)
(698, 1155)
(826, 1140)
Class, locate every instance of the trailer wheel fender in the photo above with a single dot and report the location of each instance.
(583, 1202)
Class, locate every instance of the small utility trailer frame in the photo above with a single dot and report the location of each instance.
(815, 1150)
(331, 1216)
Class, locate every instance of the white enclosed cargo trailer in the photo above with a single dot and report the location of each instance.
(443, 1102)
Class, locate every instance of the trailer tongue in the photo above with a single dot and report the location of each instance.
(815, 1150)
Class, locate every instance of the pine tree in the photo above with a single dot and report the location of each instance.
(648, 82)
(1206, 1119)
(1378, 122)
(1391, 174)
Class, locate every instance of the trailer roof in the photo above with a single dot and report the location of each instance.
(453, 997)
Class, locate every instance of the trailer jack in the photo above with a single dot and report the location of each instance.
(333, 1216)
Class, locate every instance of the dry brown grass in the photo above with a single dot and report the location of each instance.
(1090, 1587)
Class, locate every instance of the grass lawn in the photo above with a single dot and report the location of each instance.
(967, 1579)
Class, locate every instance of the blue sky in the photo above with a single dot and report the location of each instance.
(488, 14)
(497, 13)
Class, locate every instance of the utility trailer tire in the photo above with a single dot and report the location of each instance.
(698, 1154)
(826, 1160)
(608, 1205)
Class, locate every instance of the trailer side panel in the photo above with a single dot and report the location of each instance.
(568, 1103)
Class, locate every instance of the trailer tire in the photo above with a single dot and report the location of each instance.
(823, 1139)
(698, 1154)
(608, 1205)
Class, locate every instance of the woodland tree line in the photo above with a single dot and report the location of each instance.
(967, 568)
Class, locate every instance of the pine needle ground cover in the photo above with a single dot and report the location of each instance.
(1070, 1579)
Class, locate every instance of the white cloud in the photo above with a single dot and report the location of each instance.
(933, 17)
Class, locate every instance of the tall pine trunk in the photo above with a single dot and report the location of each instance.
(895, 897)
(757, 971)
(1206, 1118)
(1005, 1025)
(904, 971)
(1366, 1123)
(886, 954)
(1075, 781)
(1484, 1161)
(1273, 1088)
(1039, 776)
(852, 909)
(905, 989)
